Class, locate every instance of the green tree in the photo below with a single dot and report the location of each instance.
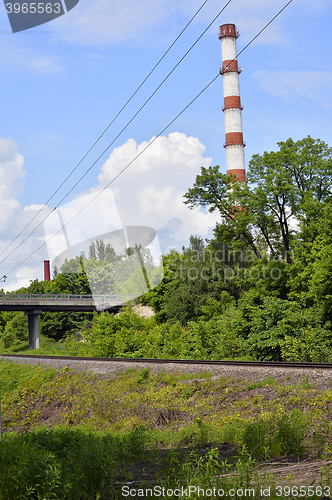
(100, 275)
(35, 287)
(280, 186)
(99, 251)
(190, 280)
(155, 296)
(219, 192)
(58, 325)
(310, 280)
(71, 280)
(13, 327)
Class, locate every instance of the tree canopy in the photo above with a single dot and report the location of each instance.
(281, 187)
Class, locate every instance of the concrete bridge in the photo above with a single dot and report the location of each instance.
(35, 304)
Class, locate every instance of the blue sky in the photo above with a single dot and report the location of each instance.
(62, 83)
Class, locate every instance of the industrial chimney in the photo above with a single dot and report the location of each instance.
(232, 104)
(47, 274)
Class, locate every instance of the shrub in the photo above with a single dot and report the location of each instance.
(275, 436)
(61, 463)
(15, 328)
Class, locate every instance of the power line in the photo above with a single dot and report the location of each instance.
(155, 138)
(113, 141)
(268, 24)
(108, 126)
(114, 178)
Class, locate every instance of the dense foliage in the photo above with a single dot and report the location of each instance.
(261, 288)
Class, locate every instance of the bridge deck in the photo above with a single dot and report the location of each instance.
(61, 302)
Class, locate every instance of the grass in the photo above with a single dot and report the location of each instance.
(176, 405)
(23, 346)
(50, 347)
(265, 383)
(77, 435)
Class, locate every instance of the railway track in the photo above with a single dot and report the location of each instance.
(262, 364)
(317, 374)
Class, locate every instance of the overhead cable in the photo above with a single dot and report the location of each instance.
(104, 132)
(154, 139)
(113, 141)
(121, 172)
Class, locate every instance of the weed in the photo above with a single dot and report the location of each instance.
(49, 464)
(202, 437)
(187, 392)
(258, 437)
(275, 436)
(265, 383)
(291, 433)
(144, 375)
(130, 370)
(305, 384)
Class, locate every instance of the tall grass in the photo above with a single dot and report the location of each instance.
(63, 463)
(283, 435)
(80, 465)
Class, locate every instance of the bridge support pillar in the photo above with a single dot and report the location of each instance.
(33, 324)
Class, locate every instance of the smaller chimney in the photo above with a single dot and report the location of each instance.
(47, 274)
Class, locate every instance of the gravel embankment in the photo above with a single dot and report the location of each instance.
(319, 377)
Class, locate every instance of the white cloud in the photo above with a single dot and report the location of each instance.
(288, 85)
(100, 22)
(18, 270)
(34, 208)
(150, 192)
(17, 57)
(153, 200)
(23, 276)
(175, 150)
(11, 180)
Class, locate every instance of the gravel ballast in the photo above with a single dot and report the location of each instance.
(321, 377)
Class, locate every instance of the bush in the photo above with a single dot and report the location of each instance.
(58, 325)
(119, 335)
(313, 346)
(272, 437)
(72, 464)
(15, 328)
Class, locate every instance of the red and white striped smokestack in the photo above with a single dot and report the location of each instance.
(232, 103)
(47, 274)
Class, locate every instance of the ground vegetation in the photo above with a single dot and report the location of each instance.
(78, 435)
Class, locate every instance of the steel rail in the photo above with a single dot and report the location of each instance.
(262, 364)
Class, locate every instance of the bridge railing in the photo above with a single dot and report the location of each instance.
(25, 298)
